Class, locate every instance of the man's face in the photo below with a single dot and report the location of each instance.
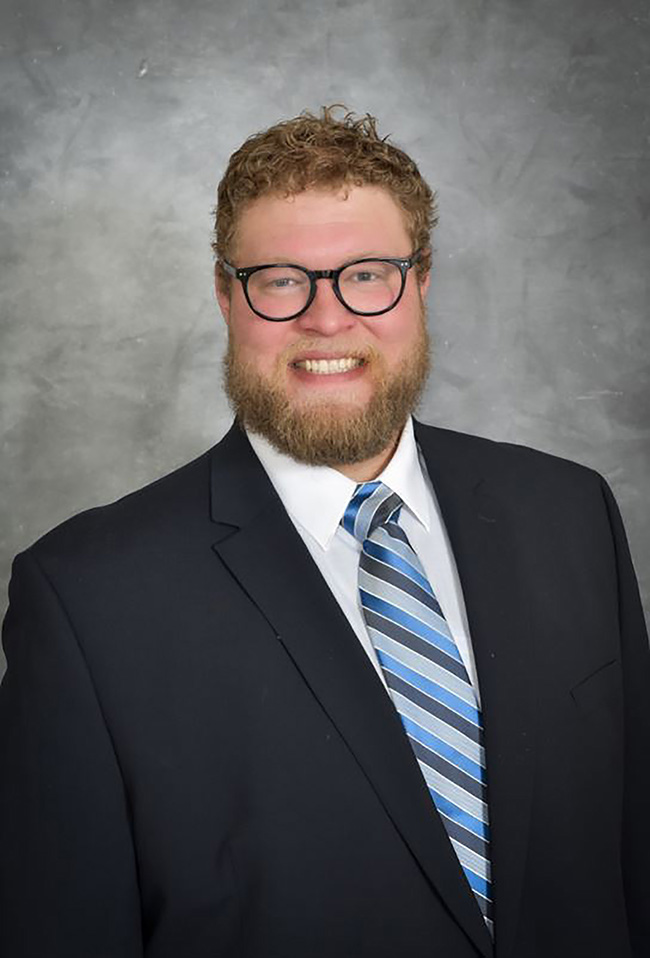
(321, 415)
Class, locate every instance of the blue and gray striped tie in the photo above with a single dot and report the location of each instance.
(426, 677)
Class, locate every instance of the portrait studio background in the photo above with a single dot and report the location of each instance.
(530, 118)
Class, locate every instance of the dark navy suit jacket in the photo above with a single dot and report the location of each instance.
(197, 759)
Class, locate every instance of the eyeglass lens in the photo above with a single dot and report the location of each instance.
(366, 287)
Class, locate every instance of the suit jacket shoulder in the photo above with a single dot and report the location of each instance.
(524, 479)
(498, 456)
(158, 510)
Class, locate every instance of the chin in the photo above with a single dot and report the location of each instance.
(332, 405)
(354, 395)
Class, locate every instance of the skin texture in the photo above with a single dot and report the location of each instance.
(364, 408)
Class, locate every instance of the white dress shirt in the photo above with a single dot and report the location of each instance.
(316, 497)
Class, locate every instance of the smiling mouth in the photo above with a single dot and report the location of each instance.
(327, 367)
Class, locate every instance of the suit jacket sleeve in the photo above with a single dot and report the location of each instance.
(68, 885)
(636, 690)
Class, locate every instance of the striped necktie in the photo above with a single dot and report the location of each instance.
(426, 677)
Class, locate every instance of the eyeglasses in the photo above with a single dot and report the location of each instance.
(283, 291)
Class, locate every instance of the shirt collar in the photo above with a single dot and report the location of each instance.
(316, 496)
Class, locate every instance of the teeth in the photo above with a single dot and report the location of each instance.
(329, 366)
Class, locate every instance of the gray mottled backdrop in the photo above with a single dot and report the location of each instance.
(529, 116)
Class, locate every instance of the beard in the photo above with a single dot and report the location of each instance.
(328, 432)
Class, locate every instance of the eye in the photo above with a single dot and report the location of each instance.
(364, 276)
(367, 273)
(277, 279)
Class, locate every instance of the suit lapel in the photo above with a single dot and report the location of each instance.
(258, 543)
(480, 527)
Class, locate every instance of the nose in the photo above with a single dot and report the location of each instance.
(326, 315)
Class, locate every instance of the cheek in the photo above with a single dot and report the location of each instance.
(257, 341)
(397, 334)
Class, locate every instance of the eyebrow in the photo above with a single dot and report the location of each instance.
(353, 258)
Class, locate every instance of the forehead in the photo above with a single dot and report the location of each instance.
(322, 225)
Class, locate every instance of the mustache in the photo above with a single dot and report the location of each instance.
(325, 350)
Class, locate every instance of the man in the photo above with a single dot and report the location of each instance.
(346, 685)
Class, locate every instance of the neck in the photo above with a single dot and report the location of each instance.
(370, 468)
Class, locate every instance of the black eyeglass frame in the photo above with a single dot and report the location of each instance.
(243, 274)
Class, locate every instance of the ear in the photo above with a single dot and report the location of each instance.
(223, 296)
(424, 284)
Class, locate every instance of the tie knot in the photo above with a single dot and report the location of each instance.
(372, 505)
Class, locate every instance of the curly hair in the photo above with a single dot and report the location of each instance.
(322, 152)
